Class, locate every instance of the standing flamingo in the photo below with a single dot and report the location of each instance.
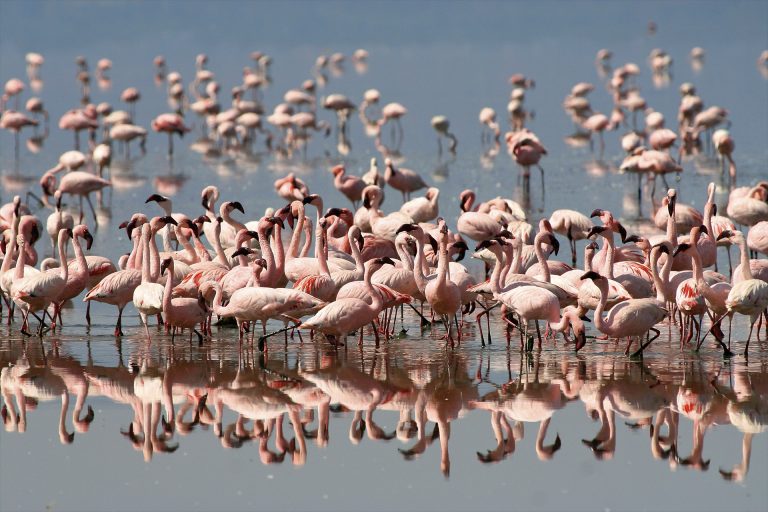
(343, 316)
(182, 312)
(634, 317)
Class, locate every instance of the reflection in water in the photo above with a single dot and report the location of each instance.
(284, 402)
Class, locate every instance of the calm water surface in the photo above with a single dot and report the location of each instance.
(410, 425)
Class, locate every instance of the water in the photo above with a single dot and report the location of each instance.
(435, 58)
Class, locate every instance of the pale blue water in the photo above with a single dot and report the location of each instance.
(436, 58)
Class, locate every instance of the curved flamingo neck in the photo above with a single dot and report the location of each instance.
(589, 256)
(418, 268)
(746, 271)
(131, 263)
(293, 247)
(63, 266)
(220, 256)
(658, 281)
(168, 291)
(540, 256)
(154, 256)
(600, 323)
(188, 247)
(359, 264)
(279, 252)
(79, 256)
(227, 216)
(672, 228)
(405, 257)
(146, 273)
(320, 250)
(610, 256)
(510, 260)
(501, 261)
(20, 257)
(266, 253)
(377, 303)
(443, 272)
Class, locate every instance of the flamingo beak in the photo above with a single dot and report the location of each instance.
(277, 221)
(170, 220)
(725, 234)
(237, 206)
(164, 266)
(254, 235)
(596, 213)
(555, 244)
(155, 197)
(243, 251)
(204, 201)
(88, 240)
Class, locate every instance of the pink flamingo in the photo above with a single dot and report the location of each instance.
(76, 183)
(77, 277)
(757, 238)
(78, 120)
(475, 225)
(38, 291)
(634, 317)
(182, 313)
(118, 287)
(351, 186)
(291, 187)
(15, 121)
(748, 296)
(724, 146)
(423, 209)
(527, 150)
(404, 180)
(170, 124)
(343, 316)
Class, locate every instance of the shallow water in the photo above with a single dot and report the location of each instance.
(455, 70)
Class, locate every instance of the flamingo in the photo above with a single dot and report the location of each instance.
(38, 291)
(77, 277)
(748, 296)
(147, 296)
(634, 317)
(351, 186)
(182, 312)
(117, 288)
(423, 209)
(404, 180)
(58, 220)
(79, 183)
(475, 225)
(574, 225)
(171, 124)
(343, 316)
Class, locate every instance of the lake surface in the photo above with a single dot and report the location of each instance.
(245, 427)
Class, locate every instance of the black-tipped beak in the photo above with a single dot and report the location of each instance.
(309, 198)
(681, 248)
(714, 209)
(58, 205)
(46, 190)
(202, 219)
(123, 225)
(596, 213)
(243, 251)
(204, 201)
(237, 206)
(725, 234)
(407, 228)
(432, 242)
(155, 197)
(632, 239)
(595, 230)
(366, 202)
(277, 221)
(386, 260)
(170, 220)
(88, 240)
(590, 275)
(484, 245)
(333, 212)
(671, 205)
(254, 235)
(555, 243)
(360, 241)
(622, 233)
(663, 248)
(69, 233)
(129, 227)
(703, 229)
(164, 265)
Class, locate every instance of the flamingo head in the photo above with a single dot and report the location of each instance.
(337, 169)
(48, 184)
(386, 260)
(725, 234)
(461, 247)
(591, 275)
(242, 251)
(167, 262)
(596, 230)
(285, 213)
(187, 223)
(681, 248)
(156, 198)
(82, 231)
(313, 199)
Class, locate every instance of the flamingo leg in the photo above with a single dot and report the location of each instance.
(639, 352)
